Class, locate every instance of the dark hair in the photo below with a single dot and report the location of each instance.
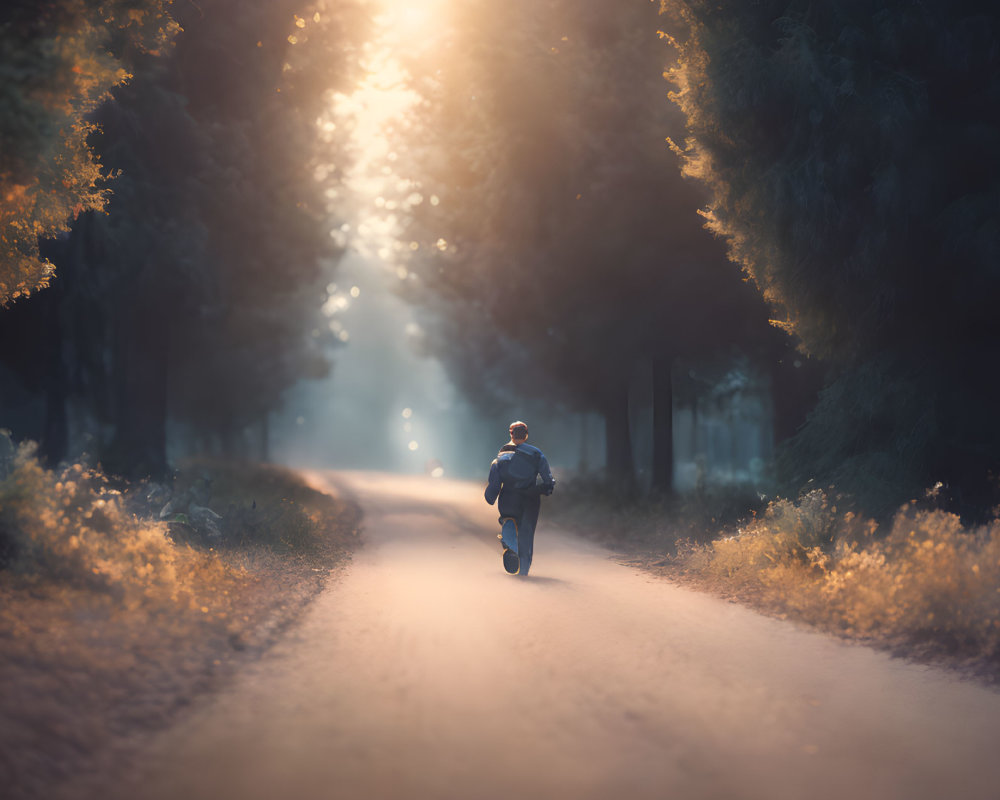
(519, 431)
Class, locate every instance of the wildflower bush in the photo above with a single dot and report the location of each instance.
(72, 527)
(928, 580)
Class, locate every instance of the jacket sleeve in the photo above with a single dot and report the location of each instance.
(493, 487)
(548, 482)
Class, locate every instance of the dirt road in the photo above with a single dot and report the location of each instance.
(425, 671)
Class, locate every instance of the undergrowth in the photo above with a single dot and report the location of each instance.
(623, 518)
(112, 619)
(261, 505)
(73, 529)
(926, 579)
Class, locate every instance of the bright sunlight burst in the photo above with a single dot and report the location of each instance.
(382, 100)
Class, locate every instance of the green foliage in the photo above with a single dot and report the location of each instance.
(265, 506)
(59, 63)
(870, 435)
(850, 151)
(197, 295)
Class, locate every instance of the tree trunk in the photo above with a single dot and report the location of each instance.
(55, 382)
(584, 466)
(618, 438)
(139, 448)
(663, 426)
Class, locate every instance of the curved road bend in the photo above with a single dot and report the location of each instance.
(425, 671)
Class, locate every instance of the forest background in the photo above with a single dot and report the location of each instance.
(172, 192)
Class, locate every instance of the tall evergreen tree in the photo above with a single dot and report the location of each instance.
(196, 295)
(850, 149)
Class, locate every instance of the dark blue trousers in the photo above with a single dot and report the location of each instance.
(526, 531)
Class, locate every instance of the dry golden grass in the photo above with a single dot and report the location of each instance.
(108, 627)
(928, 581)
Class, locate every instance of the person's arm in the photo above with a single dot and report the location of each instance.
(548, 482)
(493, 487)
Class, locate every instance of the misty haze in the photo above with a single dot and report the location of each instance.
(453, 399)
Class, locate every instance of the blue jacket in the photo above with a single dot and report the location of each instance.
(516, 473)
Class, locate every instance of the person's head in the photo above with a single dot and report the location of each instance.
(518, 432)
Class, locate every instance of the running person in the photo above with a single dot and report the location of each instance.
(519, 475)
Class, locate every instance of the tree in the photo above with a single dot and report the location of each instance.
(195, 297)
(849, 149)
(61, 61)
(259, 328)
(564, 247)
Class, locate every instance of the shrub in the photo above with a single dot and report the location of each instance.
(928, 580)
(72, 527)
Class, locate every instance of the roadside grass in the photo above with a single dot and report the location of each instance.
(922, 584)
(111, 621)
(649, 524)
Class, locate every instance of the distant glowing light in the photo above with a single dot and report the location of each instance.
(344, 336)
(333, 304)
(435, 200)
(413, 445)
(441, 245)
(437, 472)
(355, 291)
(300, 420)
(402, 272)
(414, 245)
(383, 100)
(407, 413)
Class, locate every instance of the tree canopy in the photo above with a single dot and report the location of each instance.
(190, 288)
(560, 244)
(61, 61)
(850, 150)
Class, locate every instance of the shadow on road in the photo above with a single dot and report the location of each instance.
(542, 580)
